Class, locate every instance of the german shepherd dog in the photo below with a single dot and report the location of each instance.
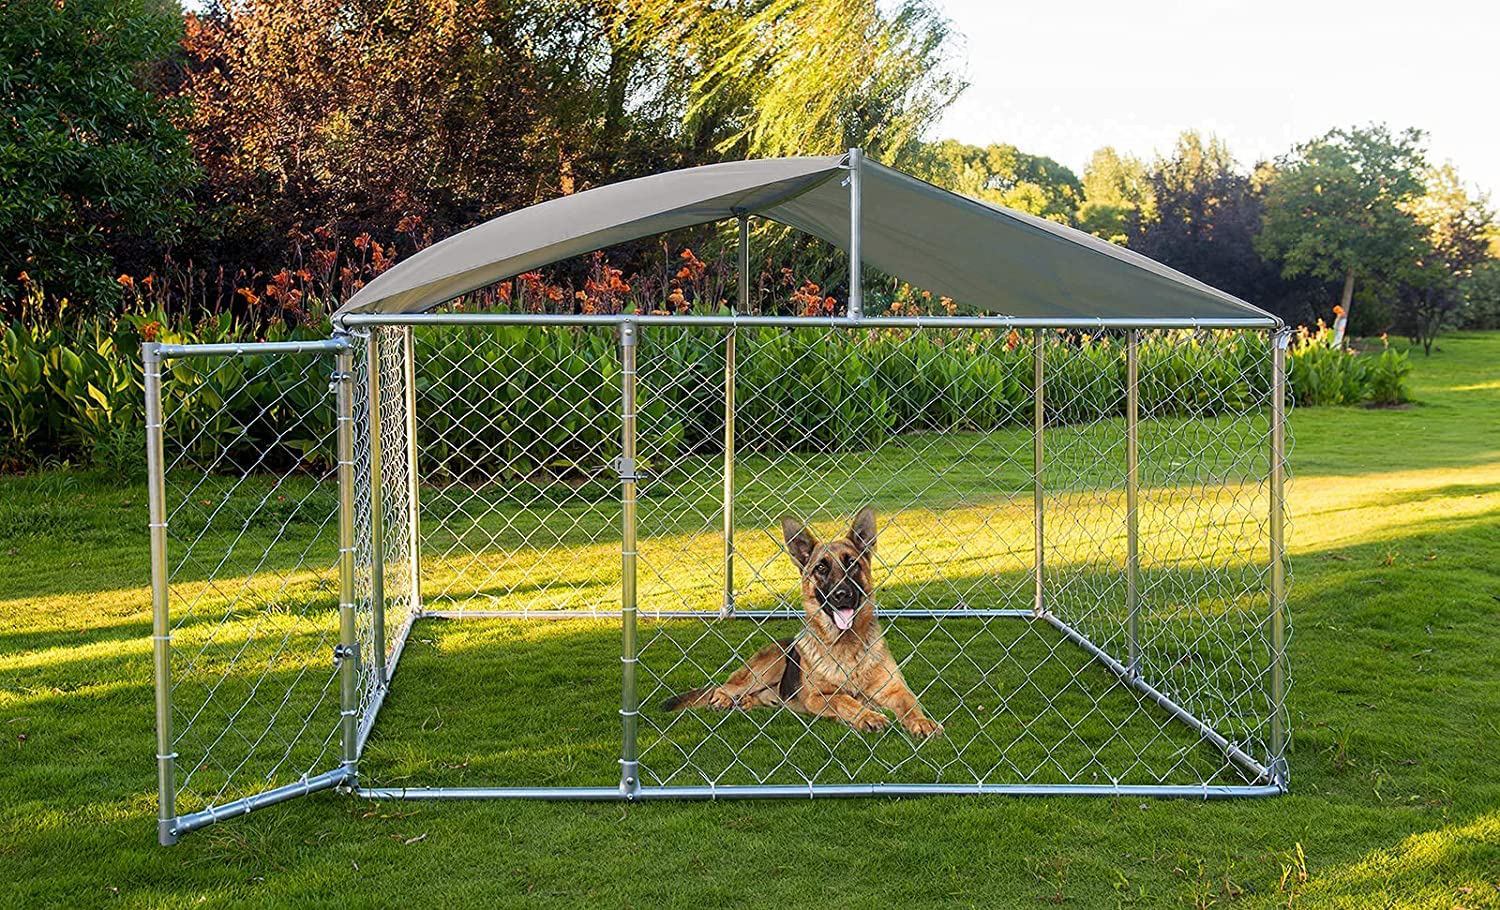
(838, 665)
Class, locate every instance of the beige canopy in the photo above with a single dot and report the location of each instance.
(989, 258)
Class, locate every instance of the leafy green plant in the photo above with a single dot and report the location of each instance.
(1389, 371)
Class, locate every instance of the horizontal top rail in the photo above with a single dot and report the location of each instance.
(869, 322)
(252, 348)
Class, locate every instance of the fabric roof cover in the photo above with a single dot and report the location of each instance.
(992, 259)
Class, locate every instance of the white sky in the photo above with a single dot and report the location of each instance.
(1062, 78)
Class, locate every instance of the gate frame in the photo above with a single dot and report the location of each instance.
(170, 826)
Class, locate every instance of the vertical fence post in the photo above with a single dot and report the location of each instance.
(347, 653)
(1277, 760)
(377, 509)
(629, 696)
(856, 309)
(1132, 506)
(413, 475)
(161, 629)
(1039, 420)
(741, 306)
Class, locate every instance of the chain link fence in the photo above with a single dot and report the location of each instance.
(1077, 565)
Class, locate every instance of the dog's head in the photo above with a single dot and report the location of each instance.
(835, 574)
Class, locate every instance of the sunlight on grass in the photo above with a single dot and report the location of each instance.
(1395, 534)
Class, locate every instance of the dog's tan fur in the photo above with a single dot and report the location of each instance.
(846, 674)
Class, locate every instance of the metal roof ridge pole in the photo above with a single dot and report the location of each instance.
(629, 696)
(856, 309)
(161, 637)
(377, 510)
(1038, 358)
(741, 305)
(1277, 759)
(1132, 504)
(413, 477)
(346, 654)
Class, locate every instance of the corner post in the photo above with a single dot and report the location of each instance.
(161, 629)
(742, 305)
(413, 474)
(629, 696)
(347, 653)
(1039, 419)
(1277, 759)
(377, 509)
(1132, 512)
(856, 308)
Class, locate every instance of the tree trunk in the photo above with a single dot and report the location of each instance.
(1341, 322)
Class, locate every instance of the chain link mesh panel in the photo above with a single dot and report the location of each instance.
(252, 515)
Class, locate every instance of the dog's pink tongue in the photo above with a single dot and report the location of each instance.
(844, 618)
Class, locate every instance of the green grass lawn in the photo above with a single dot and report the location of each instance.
(1395, 706)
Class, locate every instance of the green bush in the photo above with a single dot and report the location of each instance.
(1388, 373)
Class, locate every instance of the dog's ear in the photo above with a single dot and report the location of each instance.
(862, 533)
(799, 541)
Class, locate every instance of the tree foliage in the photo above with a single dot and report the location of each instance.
(1204, 218)
(421, 117)
(1336, 208)
(88, 155)
(1456, 241)
(1117, 196)
(1004, 175)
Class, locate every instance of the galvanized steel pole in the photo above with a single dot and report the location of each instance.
(742, 305)
(347, 653)
(377, 509)
(856, 291)
(629, 696)
(1038, 421)
(161, 637)
(413, 474)
(1132, 511)
(1277, 760)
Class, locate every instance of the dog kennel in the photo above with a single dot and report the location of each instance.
(1080, 564)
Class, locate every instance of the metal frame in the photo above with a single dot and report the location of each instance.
(1264, 778)
(1267, 780)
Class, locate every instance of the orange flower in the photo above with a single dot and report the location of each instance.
(1338, 311)
(125, 281)
(151, 330)
(148, 281)
(24, 278)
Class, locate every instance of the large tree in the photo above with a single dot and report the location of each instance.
(1004, 175)
(1457, 234)
(366, 115)
(1117, 196)
(1204, 218)
(1337, 208)
(87, 150)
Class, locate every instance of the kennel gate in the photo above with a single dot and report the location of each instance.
(1081, 562)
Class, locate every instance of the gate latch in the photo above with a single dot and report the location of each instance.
(342, 653)
(628, 469)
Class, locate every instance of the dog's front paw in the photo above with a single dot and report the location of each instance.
(720, 699)
(923, 726)
(868, 721)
